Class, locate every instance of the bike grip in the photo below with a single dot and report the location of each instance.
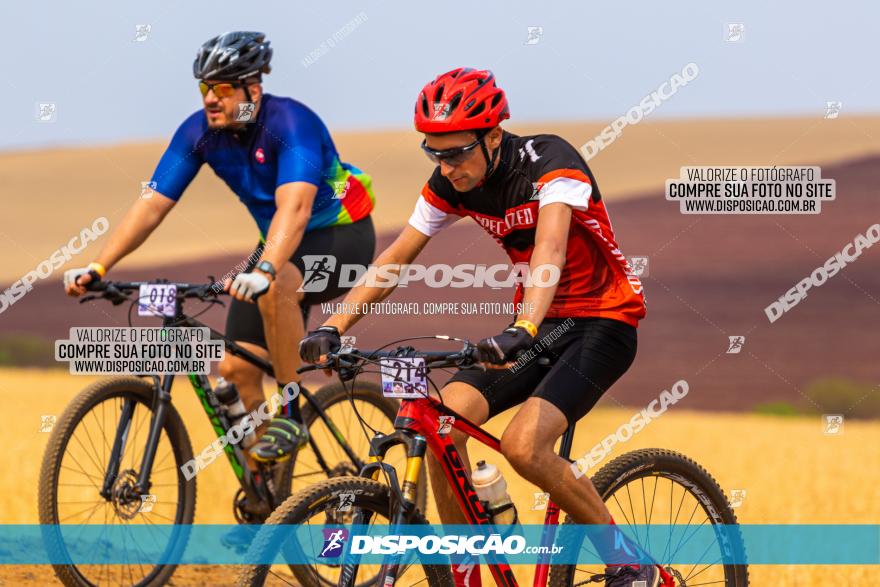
(96, 284)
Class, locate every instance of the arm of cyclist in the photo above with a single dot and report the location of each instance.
(325, 339)
(294, 209)
(138, 223)
(551, 238)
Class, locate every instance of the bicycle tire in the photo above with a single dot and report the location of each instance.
(649, 462)
(93, 395)
(370, 495)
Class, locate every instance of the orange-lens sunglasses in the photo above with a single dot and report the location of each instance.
(221, 89)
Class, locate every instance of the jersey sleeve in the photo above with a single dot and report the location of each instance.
(182, 159)
(432, 213)
(300, 139)
(562, 174)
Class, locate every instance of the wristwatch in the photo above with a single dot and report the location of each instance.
(267, 268)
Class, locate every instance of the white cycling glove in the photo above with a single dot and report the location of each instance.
(71, 274)
(250, 285)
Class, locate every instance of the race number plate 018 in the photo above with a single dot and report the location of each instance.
(157, 299)
(404, 378)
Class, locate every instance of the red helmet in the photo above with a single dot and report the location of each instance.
(461, 99)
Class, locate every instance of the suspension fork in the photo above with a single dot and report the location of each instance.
(415, 456)
(122, 429)
(161, 401)
(403, 499)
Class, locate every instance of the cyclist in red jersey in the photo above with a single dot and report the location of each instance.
(538, 199)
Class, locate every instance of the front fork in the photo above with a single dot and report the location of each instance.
(159, 410)
(403, 499)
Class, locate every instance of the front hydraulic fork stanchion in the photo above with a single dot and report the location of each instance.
(415, 458)
(118, 450)
(157, 422)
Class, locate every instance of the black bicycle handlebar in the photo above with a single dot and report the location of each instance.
(116, 291)
(464, 358)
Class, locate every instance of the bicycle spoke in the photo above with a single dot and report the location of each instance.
(81, 468)
(81, 472)
(692, 575)
(96, 506)
(684, 526)
(99, 466)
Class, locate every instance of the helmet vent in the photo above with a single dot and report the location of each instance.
(453, 104)
(478, 110)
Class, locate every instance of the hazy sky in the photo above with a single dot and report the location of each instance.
(593, 61)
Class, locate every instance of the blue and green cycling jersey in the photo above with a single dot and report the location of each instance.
(287, 142)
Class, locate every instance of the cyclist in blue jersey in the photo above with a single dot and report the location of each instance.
(278, 157)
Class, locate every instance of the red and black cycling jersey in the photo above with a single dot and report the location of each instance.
(533, 172)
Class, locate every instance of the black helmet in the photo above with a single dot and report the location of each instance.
(233, 56)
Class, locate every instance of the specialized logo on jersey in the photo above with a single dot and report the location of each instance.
(524, 216)
(260, 156)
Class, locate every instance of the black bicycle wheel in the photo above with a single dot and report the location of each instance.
(663, 487)
(319, 505)
(73, 472)
(377, 411)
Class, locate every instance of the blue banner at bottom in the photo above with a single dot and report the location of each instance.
(434, 544)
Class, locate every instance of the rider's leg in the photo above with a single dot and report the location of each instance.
(284, 328)
(470, 403)
(528, 444)
(283, 322)
(594, 356)
(247, 377)
(590, 356)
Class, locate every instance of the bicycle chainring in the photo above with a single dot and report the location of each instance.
(679, 580)
(243, 513)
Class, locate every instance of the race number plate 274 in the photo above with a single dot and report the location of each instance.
(157, 299)
(404, 378)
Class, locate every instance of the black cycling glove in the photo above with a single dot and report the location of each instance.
(319, 342)
(504, 347)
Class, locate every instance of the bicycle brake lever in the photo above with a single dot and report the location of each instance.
(85, 299)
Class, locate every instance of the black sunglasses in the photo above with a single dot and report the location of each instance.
(454, 156)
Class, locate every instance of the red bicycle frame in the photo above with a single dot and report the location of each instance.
(417, 425)
(421, 416)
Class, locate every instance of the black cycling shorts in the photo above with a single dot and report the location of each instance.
(587, 356)
(348, 243)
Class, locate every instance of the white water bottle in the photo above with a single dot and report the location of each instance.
(492, 489)
(227, 394)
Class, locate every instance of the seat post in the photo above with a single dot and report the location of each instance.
(565, 445)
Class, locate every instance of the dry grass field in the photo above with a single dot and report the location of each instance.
(791, 471)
